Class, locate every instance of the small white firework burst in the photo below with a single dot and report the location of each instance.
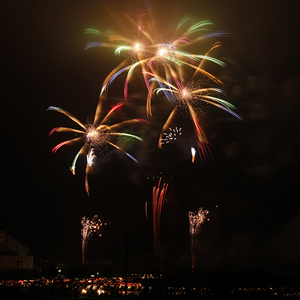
(171, 136)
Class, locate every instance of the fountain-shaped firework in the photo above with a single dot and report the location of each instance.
(195, 220)
(88, 227)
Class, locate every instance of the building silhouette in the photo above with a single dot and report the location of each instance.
(13, 254)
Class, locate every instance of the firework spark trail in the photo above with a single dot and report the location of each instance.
(158, 199)
(96, 136)
(196, 219)
(193, 152)
(88, 228)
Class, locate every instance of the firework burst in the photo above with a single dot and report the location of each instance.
(171, 136)
(188, 97)
(96, 136)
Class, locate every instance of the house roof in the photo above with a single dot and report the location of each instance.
(4, 230)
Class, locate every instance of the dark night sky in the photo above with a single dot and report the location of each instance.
(252, 177)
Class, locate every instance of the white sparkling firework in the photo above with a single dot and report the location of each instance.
(88, 228)
(196, 218)
(171, 136)
(90, 157)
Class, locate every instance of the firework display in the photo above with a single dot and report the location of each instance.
(171, 73)
(196, 219)
(88, 228)
(165, 65)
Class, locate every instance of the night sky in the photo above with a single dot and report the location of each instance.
(250, 186)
